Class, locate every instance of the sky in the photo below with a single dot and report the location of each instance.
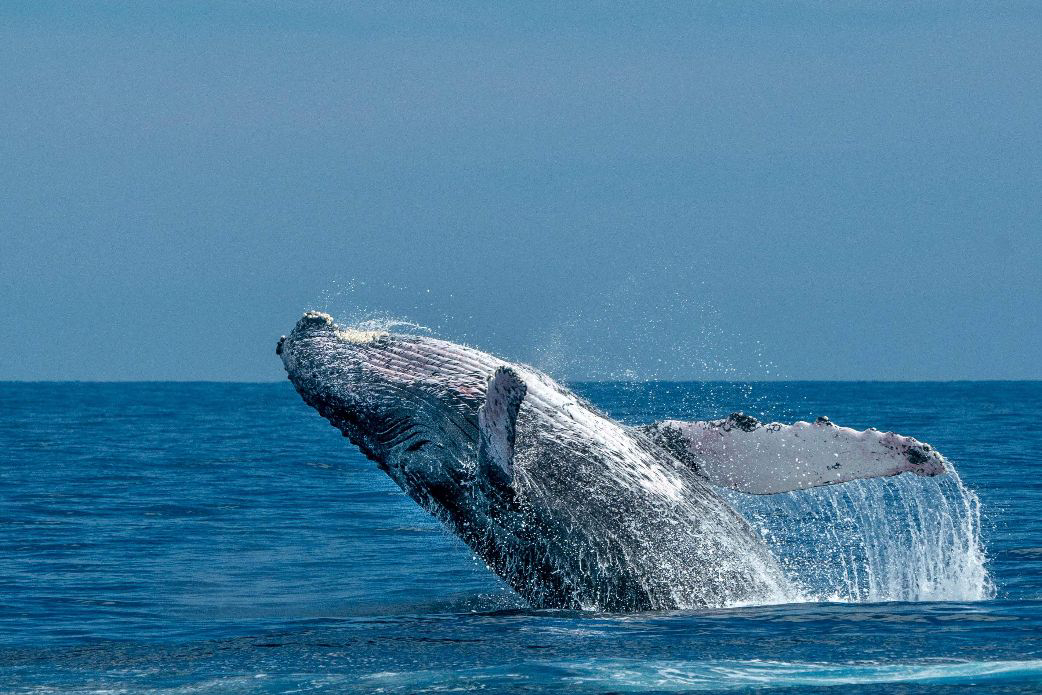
(717, 190)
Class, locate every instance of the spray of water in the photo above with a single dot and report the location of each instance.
(906, 538)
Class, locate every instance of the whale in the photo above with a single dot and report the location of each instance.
(569, 507)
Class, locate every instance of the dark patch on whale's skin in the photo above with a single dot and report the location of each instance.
(746, 423)
(917, 457)
(672, 440)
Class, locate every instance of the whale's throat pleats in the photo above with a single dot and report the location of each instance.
(743, 454)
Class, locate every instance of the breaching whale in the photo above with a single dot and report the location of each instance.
(569, 507)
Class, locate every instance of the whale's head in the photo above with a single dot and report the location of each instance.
(408, 402)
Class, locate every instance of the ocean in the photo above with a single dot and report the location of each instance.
(223, 538)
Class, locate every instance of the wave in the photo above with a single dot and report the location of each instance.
(615, 675)
(622, 675)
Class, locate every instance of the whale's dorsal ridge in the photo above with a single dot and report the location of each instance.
(497, 425)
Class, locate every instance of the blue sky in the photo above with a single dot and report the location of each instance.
(778, 190)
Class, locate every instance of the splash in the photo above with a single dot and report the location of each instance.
(906, 538)
(386, 323)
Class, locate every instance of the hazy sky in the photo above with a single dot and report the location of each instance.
(789, 189)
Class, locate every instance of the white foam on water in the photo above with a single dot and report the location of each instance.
(906, 538)
(638, 675)
(592, 675)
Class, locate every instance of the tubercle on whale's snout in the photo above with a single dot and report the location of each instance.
(312, 320)
(312, 323)
(309, 322)
(311, 326)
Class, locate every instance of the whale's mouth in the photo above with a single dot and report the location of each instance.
(314, 319)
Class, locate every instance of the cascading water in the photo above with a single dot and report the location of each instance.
(906, 538)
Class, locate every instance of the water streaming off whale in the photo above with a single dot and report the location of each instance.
(902, 538)
(905, 538)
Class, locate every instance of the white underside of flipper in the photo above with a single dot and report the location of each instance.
(743, 454)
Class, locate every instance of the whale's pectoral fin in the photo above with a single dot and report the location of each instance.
(744, 454)
(497, 425)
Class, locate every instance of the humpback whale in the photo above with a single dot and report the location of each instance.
(569, 507)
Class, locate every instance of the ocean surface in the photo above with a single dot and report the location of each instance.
(202, 538)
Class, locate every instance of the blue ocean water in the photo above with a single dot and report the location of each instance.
(186, 538)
